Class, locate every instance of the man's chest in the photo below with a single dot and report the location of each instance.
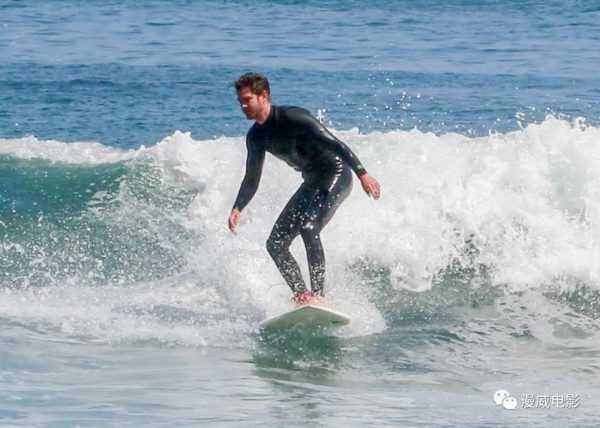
(281, 142)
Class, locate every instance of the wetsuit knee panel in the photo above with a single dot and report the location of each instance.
(276, 243)
(272, 246)
(310, 234)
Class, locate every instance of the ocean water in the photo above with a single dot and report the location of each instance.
(126, 302)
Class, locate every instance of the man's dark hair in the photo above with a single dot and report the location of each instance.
(256, 82)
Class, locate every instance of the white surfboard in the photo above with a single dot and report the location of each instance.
(306, 316)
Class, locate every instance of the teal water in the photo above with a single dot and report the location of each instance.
(125, 301)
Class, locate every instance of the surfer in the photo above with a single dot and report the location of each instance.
(293, 135)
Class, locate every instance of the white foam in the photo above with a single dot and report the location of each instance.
(527, 201)
(528, 198)
(58, 151)
(170, 312)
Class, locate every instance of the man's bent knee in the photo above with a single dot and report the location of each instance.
(275, 245)
(310, 232)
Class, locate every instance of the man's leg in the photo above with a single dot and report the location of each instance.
(285, 230)
(321, 209)
(316, 257)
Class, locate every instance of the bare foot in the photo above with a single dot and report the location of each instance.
(302, 298)
(307, 298)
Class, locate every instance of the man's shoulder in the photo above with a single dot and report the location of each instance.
(295, 115)
(292, 111)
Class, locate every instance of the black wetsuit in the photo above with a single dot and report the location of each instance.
(293, 135)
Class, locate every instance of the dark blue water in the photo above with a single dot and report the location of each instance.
(131, 74)
(124, 300)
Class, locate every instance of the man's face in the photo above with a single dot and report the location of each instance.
(251, 103)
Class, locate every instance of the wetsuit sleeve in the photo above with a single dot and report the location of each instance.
(323, 136)
(254, 165)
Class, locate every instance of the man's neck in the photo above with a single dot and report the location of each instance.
(262, 118)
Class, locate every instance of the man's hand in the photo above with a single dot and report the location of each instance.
(234, 219)
(370, 186)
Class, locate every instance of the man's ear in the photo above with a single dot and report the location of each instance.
(266, 95)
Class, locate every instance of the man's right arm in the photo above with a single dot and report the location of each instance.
(254, 165)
